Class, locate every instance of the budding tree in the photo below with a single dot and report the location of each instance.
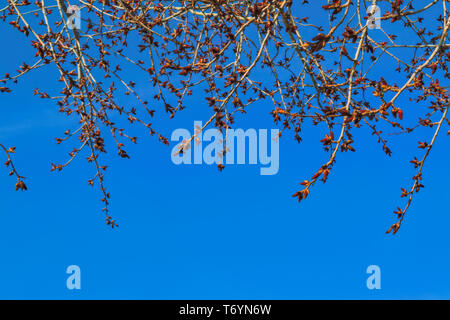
(321, 62)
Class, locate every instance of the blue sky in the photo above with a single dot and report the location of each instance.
(192, 232)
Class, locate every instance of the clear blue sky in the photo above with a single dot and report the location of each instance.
(192, 232)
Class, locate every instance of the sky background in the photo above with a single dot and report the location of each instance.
(192, 232)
